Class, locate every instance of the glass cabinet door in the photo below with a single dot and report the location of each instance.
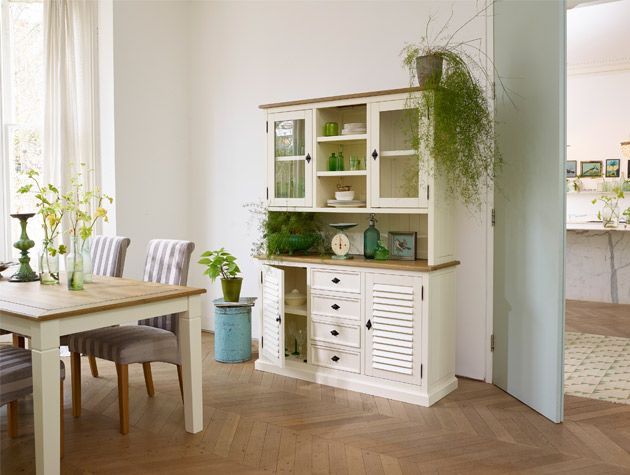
(396, 180)
(290, 140)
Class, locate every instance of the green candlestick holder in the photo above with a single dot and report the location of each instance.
(24, 273)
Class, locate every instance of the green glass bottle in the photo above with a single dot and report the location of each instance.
(371, 237)
(332, 163)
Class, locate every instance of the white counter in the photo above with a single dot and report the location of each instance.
(595, 226)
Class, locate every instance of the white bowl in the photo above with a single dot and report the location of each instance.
(344, 195)
(295, 298)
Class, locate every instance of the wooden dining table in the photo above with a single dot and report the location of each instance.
(45, 313)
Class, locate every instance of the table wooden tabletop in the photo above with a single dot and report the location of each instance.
(31, 300)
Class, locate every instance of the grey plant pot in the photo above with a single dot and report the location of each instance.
(429, 71)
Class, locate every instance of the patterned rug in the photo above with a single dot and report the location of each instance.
(597, 367)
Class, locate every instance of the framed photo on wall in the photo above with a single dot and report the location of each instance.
(613, 167)
(571, 168)
(591, 169)
(402, 245)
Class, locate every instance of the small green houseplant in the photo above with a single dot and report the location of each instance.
(609, 212)
(451, 124)
(221, 263)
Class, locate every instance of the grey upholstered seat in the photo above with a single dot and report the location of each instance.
(128, 344)
(154, 339)
(16, 382)
(16, 374)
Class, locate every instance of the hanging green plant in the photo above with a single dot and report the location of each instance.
(451, 122)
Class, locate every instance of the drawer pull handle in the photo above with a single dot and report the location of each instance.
(278, 319)
(335, 358)
(335, 306)
(369, 324)
(334, 332)
(335, 280)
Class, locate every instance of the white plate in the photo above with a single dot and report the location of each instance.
(353, 132)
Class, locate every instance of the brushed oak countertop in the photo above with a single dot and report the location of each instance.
(419, 265)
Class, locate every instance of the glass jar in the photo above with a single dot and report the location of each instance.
(48, 264)
(86, 251)
(74, 265)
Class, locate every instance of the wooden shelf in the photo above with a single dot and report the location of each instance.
(292, 158)
(398, 153)
(351, 210)
(294, 310)
(343, 138)
(344, 173)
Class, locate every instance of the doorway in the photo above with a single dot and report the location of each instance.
(597, 328)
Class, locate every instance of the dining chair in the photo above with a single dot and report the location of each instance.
(16, 382)
(108, 255)
(152, 340)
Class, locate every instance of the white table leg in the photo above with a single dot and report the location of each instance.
(45, 354)
(189, 334)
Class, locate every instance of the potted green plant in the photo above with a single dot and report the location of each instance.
(221, 263)
(609, 212)
(451, 124)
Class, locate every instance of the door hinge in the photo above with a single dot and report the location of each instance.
(420, 371)
(267, 192)
(492, 342)
(494, 91)
(422, 293)
(261, 277)
(494, 217)
(262, 341)
(428, 192)
(267, 127)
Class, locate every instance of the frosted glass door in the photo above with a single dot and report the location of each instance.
(396, 181)
(290, 148)
(529, 54)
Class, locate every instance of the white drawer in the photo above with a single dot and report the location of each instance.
(338, 307)
(337, 280)
(336, 359)
(336, 333)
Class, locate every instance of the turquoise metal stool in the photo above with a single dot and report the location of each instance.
(233, 330)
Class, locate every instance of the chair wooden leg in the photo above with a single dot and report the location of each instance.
(61, 434)
(123, 396)
(19, 341)
(181, 381)
(12, 419)
(148, 379)
(93, 367)
(75, 369)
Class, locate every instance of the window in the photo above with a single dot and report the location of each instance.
(22, 76)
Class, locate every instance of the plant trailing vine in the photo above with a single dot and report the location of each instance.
(451, 125)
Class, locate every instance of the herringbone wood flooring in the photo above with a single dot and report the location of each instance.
(258, 422)
(598, 318)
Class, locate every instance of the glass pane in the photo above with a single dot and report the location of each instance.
(25, 101)
(290, 174)
(398, 163)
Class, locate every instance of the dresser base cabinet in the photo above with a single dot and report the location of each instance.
(387, 333)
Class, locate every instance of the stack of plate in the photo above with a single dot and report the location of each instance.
(354, 128)
(346, 203)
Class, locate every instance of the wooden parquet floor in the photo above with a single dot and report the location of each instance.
(598, 318)
(261, 423)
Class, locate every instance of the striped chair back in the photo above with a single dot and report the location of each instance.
(167, 262)
(108, 255)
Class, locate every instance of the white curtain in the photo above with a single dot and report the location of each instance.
(71, 129)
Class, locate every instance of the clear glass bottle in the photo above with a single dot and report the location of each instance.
(371, 237)
(48, 264)
(86, 251)
(74, 265)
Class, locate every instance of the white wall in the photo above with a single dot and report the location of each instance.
(151, 55)
(247, 53)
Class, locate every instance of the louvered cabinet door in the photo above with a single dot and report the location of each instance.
(392, 327)
(272, 343)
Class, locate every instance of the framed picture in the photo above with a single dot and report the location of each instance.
(590, 169)
(571, 168)
(402, 245)
(613, 166)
